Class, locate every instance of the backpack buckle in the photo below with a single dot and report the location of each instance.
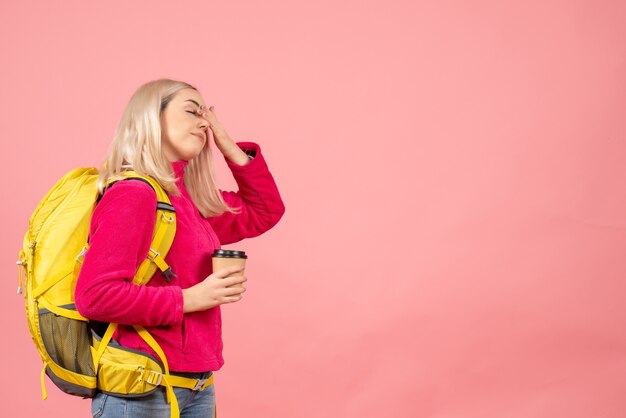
(168, 274)
(156, 254)
(151, 376)
(199, 384)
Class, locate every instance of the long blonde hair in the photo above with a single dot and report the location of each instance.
(137, 146)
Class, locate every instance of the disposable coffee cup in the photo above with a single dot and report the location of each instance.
(227, 258)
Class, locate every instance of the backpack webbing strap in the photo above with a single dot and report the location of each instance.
(155, 378)
(153, 254)
(44, 394)
(48, 284)
(67, 313)
(103, 345)
(36, 292)
(157, 259)
(171, 396)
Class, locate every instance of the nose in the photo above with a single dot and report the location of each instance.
(203, 123)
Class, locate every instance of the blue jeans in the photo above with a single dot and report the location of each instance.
(192, 404)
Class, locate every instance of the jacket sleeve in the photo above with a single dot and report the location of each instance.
(258, 197)
(122, 225)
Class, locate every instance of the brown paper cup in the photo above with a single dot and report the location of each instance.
(227, 258)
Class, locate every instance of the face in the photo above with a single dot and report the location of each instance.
(184, 131)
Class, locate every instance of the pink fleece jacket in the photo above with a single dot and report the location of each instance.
(120, 237)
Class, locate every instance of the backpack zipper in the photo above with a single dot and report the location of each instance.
(24, 266)
(20, 263)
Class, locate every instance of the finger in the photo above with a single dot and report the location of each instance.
(233, 299)
(234, 269)
(205, 114)
(229, 281)
(234, 291)
(229, 270)
(202, 111)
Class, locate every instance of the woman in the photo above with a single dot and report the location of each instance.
(164, 132)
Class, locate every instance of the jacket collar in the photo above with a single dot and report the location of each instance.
(179, 168)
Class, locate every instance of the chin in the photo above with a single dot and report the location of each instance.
(190, 156)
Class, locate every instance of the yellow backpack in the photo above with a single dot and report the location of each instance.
(75, 358)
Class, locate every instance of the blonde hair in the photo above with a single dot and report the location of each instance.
(137, 145)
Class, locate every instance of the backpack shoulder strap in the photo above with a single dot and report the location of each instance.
(162, 196)
(164, 229)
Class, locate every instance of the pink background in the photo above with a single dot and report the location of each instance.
(455, 228)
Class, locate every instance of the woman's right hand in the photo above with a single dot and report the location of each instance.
(214, 290)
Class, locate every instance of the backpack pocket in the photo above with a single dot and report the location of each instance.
(66, 351)
(66, 341)
(126, 372)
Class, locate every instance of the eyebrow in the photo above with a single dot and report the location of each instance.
(190, 100)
